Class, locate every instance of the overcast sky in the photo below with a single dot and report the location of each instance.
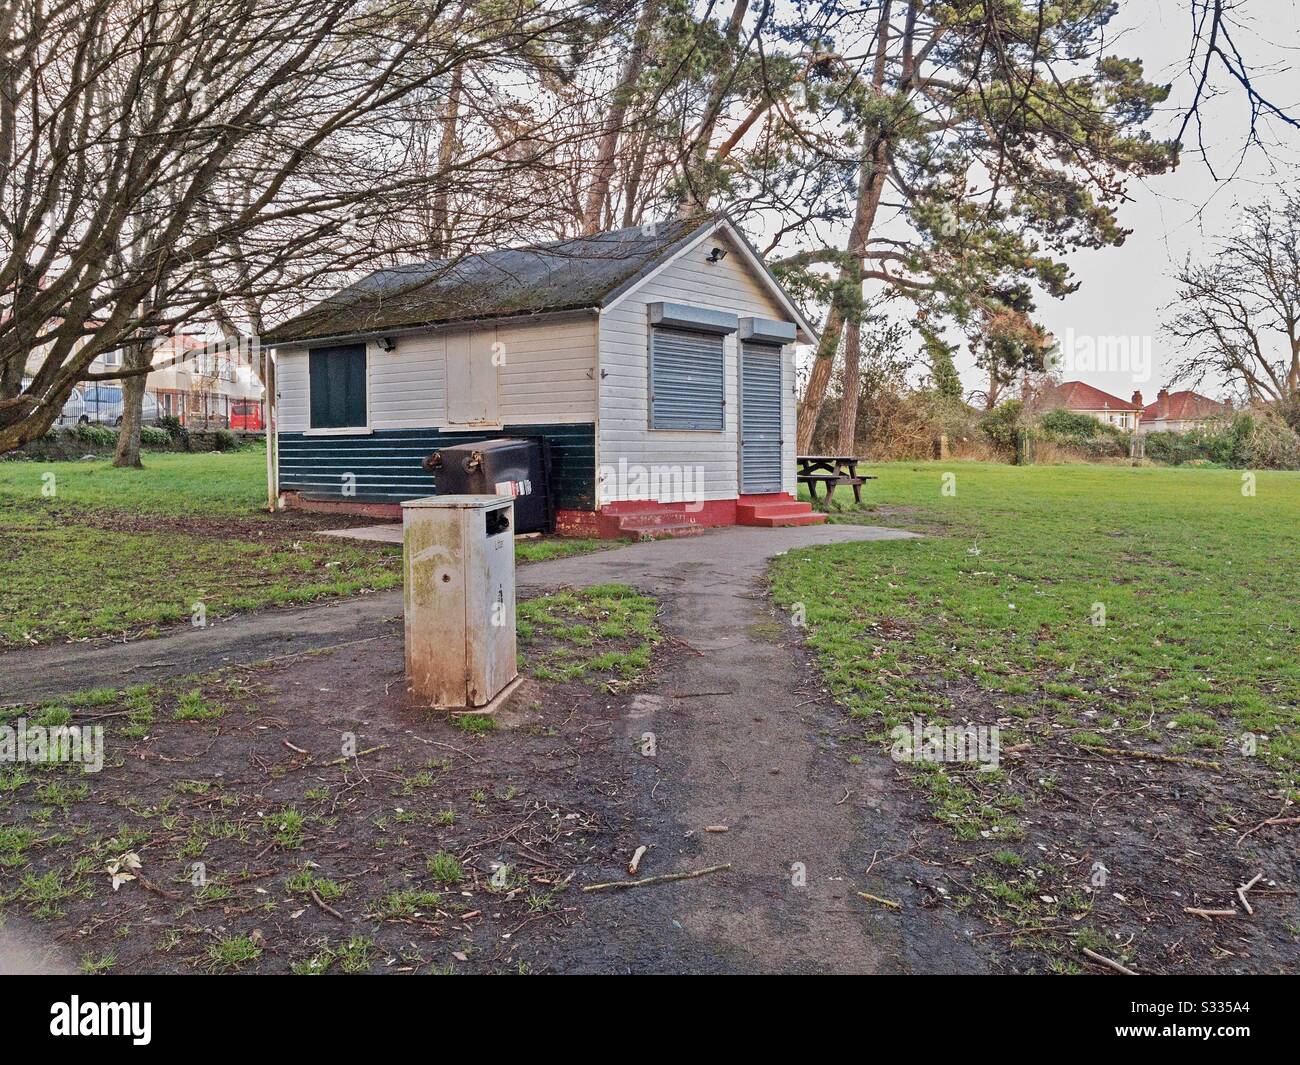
(1123, 290)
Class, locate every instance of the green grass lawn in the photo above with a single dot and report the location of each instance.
(88, 550)
(215, 482)
(1134, 633)
(1126, 592)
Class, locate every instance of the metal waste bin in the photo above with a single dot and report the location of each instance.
(459, 569)
(518, 467)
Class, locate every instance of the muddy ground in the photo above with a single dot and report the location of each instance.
(302, 815)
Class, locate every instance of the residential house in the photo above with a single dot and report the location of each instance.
(1179, 411)
(1083, 398)
(657, 361)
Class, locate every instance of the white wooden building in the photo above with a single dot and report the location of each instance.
(657, 361)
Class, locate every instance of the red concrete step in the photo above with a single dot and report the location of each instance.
(649, 524)
(642, 530)
(659, 516)
(782, 506)
(777, 510)
(772, 521)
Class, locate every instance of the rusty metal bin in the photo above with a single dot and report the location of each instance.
(518, 467)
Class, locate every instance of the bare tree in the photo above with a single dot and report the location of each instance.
(159, 158)
(1218, 52)
(1236, 315)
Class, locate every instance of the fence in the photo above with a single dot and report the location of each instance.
(104, 404)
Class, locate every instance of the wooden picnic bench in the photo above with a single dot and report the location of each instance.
(831, 471)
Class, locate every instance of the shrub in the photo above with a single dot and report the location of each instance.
(1258, 440)
(1173, 449)
(1084, 435)
(153, 436)
(224, 440)
(172, 426)
(1272, 444)
(94, 435)
(1068, 423)
(1002, 423)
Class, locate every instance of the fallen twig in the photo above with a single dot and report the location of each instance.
(325, 906)
(1267, 821)
(1110, 963)
(883, 902)
(353, 757)
(635, 863)
(1172, 759)
(663, 878)
(1241, 892)
(1198, 912)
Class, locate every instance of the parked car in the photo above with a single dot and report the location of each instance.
(246, 414)
(73, 409)
(103, 404)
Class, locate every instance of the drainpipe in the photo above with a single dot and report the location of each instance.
(272, 433)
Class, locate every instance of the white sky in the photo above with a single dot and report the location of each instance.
(1123, 290)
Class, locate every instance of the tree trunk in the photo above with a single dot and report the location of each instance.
(871, 184)
(603, 169)
(818, 379)
(694, 198)
(848, 444)
(137, 356)
(439, 229)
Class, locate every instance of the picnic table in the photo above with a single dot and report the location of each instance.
(831, 471)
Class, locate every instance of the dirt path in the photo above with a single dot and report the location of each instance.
(738, 727)
(43, 672)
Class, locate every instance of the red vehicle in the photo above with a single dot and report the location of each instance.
(246, 414)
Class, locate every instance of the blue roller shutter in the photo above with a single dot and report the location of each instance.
(686, 380)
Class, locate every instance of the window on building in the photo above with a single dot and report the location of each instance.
(686, 380)
(337, 381)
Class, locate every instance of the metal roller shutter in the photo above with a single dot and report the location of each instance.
(760, 419)
(686, 380)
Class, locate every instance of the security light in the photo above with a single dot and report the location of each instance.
(717, 255)
(387, 344)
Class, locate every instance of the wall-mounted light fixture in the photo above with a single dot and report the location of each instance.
(717, 255)
(387, 344)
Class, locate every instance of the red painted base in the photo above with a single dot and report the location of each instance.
(646, 519)
(638, 519)
(294, 501)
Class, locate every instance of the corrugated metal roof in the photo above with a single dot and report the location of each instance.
(560, 276)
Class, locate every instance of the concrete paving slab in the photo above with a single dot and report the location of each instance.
(381, 534)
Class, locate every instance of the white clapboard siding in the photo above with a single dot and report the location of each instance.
(405, 387)
(729, 285)
(292, 404)
(408, 385)
(547, 372)
(546, 376)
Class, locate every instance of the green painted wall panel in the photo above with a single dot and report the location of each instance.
(386, 464)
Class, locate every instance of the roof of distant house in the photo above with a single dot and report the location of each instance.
(580, 273)
(1184, 406)
(1078, 395)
